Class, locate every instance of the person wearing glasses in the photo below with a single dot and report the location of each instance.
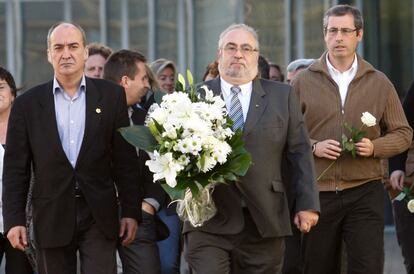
(337, 89)
(247, 233)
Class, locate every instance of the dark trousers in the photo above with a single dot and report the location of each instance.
(142, 256)
(246, 252)
(404, 225)
(16, 260)
(292, 263)
(355, 215)
(97, 253)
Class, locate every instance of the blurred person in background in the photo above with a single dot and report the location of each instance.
(295, 67)
(97, 55)
(165, 71)
(16, 260)
(263, 67)
(275, 73)
(211, 71)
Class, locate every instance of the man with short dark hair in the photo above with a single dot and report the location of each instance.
(67, 129)
(128, 69)
(337, 89)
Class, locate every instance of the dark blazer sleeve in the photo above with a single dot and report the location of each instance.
(300, 160)
(398, 162)
(16, 168)
(125, 163)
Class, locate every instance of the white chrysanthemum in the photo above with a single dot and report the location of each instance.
(220, 152)
(164, 166)
(206, 162)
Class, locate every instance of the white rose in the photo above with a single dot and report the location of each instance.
(410, 206)
(368, 119)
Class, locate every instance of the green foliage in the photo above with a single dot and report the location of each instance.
(139, 136)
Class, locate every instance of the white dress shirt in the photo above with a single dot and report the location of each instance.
(343, 79)
(244, 95)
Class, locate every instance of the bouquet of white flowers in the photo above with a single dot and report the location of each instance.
(192, 148)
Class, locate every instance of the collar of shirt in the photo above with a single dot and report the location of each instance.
(226, 88)
(348, 73)
(244, 95)
(58, 88)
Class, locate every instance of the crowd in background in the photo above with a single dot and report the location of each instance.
(158, 244)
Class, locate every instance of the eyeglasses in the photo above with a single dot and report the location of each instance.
(246, 50)
(344, 31)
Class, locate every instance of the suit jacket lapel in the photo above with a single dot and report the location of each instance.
(257, 106)
(92, 116)
(47, 103)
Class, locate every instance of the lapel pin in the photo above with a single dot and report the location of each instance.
(98, 110)
(257, 106)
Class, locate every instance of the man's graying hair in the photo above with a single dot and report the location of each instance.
(341, 10)
(52, 28)
(236, 27)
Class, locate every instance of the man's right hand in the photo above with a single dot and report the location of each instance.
(17, 237)
(397, 180)
(329, 149)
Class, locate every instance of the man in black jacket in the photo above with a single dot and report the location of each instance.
(67, 128)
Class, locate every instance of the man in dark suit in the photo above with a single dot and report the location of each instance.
(67, 129)
(247, 233)
(128, 69)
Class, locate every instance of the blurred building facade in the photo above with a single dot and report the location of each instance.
(186, 31)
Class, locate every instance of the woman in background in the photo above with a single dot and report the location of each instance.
(16, 260)
(165, 72)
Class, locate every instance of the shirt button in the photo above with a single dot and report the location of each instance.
(71, 141)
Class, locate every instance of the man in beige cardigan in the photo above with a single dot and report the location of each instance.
(334, 90)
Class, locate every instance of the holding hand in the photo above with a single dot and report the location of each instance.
(329, 149)
(365, 147)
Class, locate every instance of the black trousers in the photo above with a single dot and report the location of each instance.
(404, 225)
(246, 252)
(16, 260)
(356, 217)
(97, 253)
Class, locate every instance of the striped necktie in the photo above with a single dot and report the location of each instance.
(236, 111)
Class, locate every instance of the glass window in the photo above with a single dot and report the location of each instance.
(3, 60)
(211, 17)
(35, 24)
(313, 11)
(114, 24)
(166, 29)
(138, 25)
(267, 17)
(86, 14)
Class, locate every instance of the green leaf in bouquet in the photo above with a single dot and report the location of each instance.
(139, 136)
(180, 85)
(348, 127)
(349, 146)
(190, 78)
(158, 94)
(174, 193)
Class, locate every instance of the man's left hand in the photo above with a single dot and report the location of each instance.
(365, 147)
(304, 220)
(127, 230)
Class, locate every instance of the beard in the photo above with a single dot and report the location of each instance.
(241, 72)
